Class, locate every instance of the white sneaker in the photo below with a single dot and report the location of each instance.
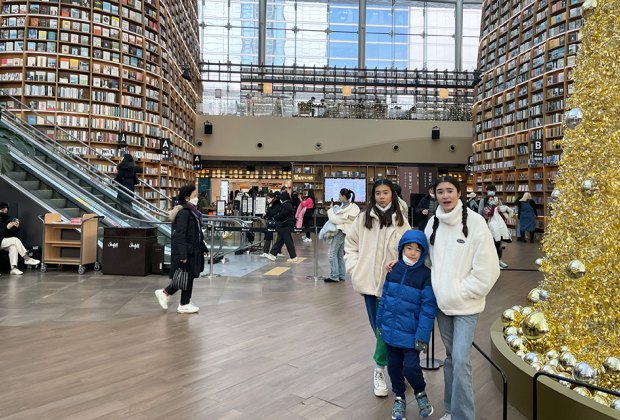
(16, 271)
(270, 257)
(306, 239)
(32, 261)
(502, 264)
(446, 417)
(162, 298)
(381, 389)
(188, 309)
(280, 255)
(293, 260)
(263, 255)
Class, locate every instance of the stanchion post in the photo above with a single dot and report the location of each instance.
(211, 275)
(316, 276)
(429, 362)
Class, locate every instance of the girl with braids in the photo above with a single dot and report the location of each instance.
(464, 268)
(371, 242)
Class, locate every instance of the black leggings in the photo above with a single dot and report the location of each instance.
(499, 248)
(285, 237)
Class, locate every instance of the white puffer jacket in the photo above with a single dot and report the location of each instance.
(343, 217)
(367, 251)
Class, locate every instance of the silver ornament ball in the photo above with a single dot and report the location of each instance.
(573, 117)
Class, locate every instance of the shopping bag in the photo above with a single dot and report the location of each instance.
(180, 278)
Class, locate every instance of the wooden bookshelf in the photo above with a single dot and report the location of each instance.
(101, 68)
(307, 176)
(527, 54)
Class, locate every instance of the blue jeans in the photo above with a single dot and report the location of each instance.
(336, 257)
(457, 334)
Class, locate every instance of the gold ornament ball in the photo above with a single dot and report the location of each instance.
(583, 391)
(583, 372)
(588, 186)
(611, 366)
(517, 308)
(552, 354)
(567, 360)
(588, 7)
(548, 368)
(573, 117)
(602, 398)
(537, 366)
(576, 269)
(563, 349)
(520, 354)
(539, 261)
(555, 194)
(565, 383)
(535, 326)
(517, 344)
(615, 404)
(509, 317)
(510, 331)
(534, 295)
(554, 362)
(526, 310)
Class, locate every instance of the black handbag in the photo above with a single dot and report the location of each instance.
(180, 278)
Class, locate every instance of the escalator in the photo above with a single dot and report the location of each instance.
(48, 173)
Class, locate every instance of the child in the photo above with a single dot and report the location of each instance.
(405, 319)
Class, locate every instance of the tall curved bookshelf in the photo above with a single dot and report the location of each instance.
(106, 70)
(526, 57)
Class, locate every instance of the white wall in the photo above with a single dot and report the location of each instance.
(342, 140)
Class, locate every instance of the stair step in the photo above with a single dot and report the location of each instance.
(72, 212)
(30, 185)
(17, 176)
(58, 203)
(44, 194)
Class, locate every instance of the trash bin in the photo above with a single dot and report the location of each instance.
(127, 251)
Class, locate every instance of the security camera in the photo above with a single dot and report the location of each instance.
(395, 147)
(199, 144)
(318, 146)
(259, 145)
(452, 148)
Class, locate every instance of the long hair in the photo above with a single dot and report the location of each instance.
(349, 194)
(385, 218)
(457, 185)
(127, 161)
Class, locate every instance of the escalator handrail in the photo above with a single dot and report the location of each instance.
(96, 171)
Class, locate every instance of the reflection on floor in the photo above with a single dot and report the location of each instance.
(283, 346)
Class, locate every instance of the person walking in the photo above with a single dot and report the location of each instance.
(9, 228)
(406, 318)
(273, 208)
(342, 217)
(426, 208)
(486, 207)
(464, 268)
(127, 177)
(188, 249)
(371, 242)
(526, 211)
(285, 222)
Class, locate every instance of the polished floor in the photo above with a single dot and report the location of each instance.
(268, 343)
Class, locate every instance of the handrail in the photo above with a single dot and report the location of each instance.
(561, 378)
(504, 380)
(93, 170)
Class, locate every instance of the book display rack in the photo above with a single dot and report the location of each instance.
(121, 75)
(526, 57)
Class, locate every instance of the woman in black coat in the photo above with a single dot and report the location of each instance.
(126, 176)
(273, 208)
(188, 248)
(285, 222)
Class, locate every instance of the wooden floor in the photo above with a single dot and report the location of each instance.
(262, 347)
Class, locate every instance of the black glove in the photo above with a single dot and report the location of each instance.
(420, 346)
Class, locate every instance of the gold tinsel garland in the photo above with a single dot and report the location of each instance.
(573, 325)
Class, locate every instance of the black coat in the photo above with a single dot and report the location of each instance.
(187, 241)
(273, 209)
(126, 176)
(286, 216)
(6, 232)
(425, 203)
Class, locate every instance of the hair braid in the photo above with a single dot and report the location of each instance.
(435, 226)
(464, 221)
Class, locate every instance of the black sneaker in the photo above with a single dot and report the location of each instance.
(330, 280)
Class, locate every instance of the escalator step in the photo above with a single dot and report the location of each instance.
(57, 203)
(44, 194)
(30, 185)
(72, 212)
(17, 176)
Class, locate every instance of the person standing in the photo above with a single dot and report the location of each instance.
(127, 177)
(426, 208)
(9, 227)
(188, 248)
(273, 208)
(406, 318)
(526, 210)
(371, 242)
(464, 268)
(308, 203)
(471, 201)
(342, 217)
(285, 221)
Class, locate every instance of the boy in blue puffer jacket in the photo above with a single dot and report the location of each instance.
(405, 319)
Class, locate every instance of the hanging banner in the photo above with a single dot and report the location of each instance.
(165, 148)
(197, 163)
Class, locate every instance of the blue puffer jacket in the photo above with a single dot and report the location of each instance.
(407, 309)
